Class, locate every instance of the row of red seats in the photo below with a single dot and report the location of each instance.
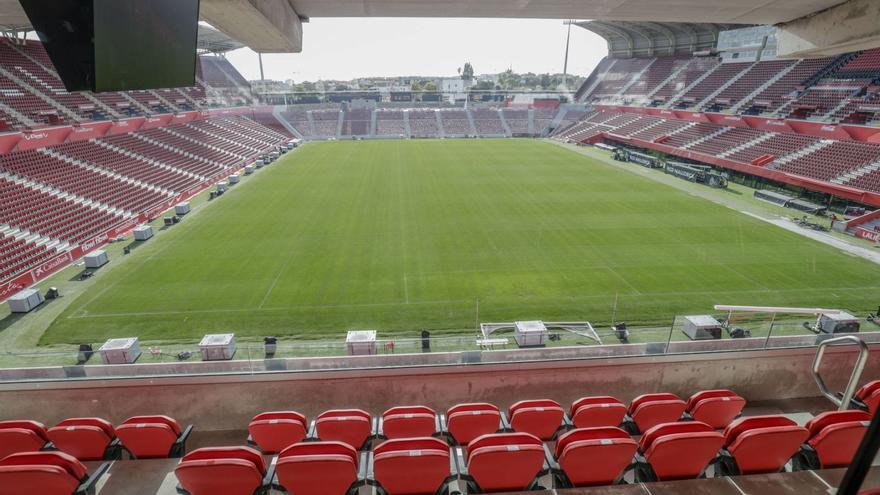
(91, 439)
(514, 461)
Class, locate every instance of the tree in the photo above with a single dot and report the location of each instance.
(430, 86)
(468, 72)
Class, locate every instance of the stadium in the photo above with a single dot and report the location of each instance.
(663, 278)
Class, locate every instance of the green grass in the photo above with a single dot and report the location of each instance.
(404, 235)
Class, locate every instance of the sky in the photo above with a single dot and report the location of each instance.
(348, 48)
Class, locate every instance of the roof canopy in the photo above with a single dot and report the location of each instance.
(628, 39)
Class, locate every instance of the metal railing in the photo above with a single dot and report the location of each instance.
(841, 401)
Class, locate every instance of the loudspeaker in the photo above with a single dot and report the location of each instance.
(118, 45)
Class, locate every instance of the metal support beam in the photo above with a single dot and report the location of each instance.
(266, 26)
(847, 27)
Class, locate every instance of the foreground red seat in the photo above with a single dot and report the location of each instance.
(716, 408)
(21, 436)
(275, 431)
(411, 466)
(500, 462)
(46, 473)
(465, 422)
(150, 437)
(542, 417)
(87, 439)
(223, 471)
(319, 468)
(592, 412)
(351, 426)
(649, 410)
(409, 422)
(673, 451)
(834, 437)
(593, 456)
(868, 397)
(759, 444)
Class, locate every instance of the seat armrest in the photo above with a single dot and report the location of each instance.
(549, 460)
(178, 449)
(459, 458)
(567, 421)
(88, 486)
(370, 460)
(505, 423)
(362, 465)
(444, 427)
(269, 478)
(380, 434)
(374, 427)
(438, 425)
(313, 430)
(453, 464)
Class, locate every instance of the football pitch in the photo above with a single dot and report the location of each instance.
(400, 236)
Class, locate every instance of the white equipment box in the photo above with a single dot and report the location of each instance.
(96, 259)
(25, 301)
(120, 351)
(702, 327)
(248, 169)
(529, 333)
(361, 342)
(181, 208)
(217, 347)
(222, 187)
(842, 322)
(233, 179)
(143, 233)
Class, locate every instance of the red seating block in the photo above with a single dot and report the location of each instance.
(350, 426)
(649, 410)
(275, 431)
(760, 444)
(677, 451)
(541, 417)
(594, 456)
(221, 471)
(147, 437)
(717, 408)
(466, 422)
(411, 466)
(590, 412)
(86, 439)
(21, 436)
(317, 468)
(409, 422)
(505, 461)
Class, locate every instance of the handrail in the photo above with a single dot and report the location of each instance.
(850, 390)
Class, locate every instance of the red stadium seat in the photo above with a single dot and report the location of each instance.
(649, 410)
(673, 451)
(466, 422)
(318, 468)
(760, 444)
(409, 422)
(275, 431)
(500, 462)
(87, 439)
(46, 473)
(222, 471)
(594, 456)
(868, 397)
(21, 436)
(834, 437)
(350, 426)
(542, 417)
(716, 408)
(591, 412)
(411, 466)
(148, 437)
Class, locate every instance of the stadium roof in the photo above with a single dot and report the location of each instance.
(651, 39)
(276, 25)
(211, 40)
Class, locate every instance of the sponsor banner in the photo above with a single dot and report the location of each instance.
(691, 116)
(42, 138)
(16, 285)
(765, 124)
(89, 131)
(156, 121)
(184, 117)
(728, 120)
(867, 234)
(818, 129)
(126, 125)
(8, 141)
(51, 266)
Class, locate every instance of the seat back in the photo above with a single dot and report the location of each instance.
(66, 462)
(870, 395)
(683, 455)
(223, 476)
(663, 429)
(827, 418)
(235, 452)
(148, 437)
(590, 412)
(274, 431)
(650, 410)
(582, 434)
(598, 461)
(743, 425)
(766, 449)
(83, 438)
(836, 444)
(717, 408)
(409, 422)
(540, 417)
(21, 436)
(412, 466)
(22, 480)
(466, 422)
(350, 426)
(316, 468)
(505, 461)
